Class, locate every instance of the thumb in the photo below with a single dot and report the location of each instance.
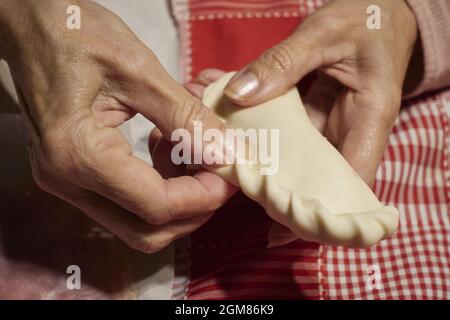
(277, 70)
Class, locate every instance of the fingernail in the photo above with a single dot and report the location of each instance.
(242, 87)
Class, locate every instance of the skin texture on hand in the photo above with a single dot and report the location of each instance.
(76, 87)
(355, 98)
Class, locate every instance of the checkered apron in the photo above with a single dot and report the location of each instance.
(228, 258)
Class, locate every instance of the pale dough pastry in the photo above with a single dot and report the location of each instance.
(315, 193)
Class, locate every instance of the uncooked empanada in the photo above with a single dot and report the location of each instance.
(315, 192)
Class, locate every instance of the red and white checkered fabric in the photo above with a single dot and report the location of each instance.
(226, 260)
(414, 176)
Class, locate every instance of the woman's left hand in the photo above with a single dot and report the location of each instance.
(355, 99)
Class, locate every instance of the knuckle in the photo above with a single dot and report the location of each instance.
(64, 151)
(54, 157)
(99, 144)
(192, 111)
(99, 156)
(279, 58)
(137, 62)
(334, 24)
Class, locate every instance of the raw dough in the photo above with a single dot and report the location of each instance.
(315, 193)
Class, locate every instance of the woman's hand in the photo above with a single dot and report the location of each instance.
(76, 88)
(355, 99)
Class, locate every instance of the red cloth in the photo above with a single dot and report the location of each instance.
(228, 258)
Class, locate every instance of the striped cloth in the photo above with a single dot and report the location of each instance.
(226, 260)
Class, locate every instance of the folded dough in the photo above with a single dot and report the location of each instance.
(315, 193)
